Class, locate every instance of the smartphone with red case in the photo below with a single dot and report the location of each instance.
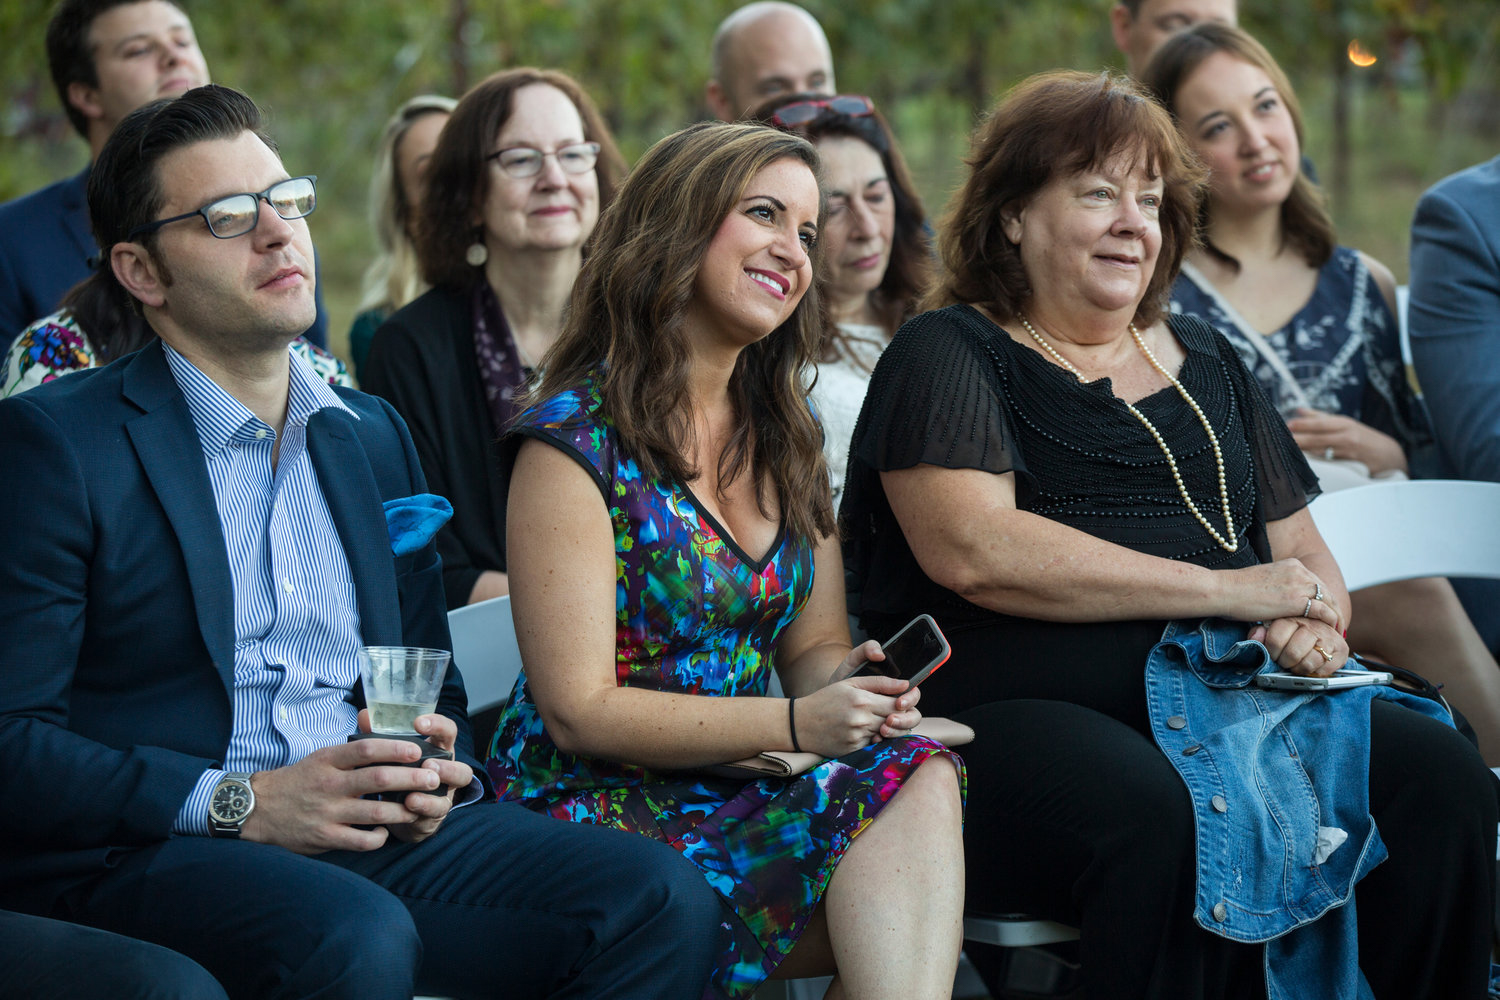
(911, 654)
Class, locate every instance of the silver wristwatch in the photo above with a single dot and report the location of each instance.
(230, 805)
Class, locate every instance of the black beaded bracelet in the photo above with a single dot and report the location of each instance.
(791, 721)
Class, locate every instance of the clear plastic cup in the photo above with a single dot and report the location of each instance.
(401, 683)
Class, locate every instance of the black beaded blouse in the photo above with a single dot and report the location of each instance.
(954, 390)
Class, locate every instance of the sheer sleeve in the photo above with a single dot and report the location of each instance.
(935, 399)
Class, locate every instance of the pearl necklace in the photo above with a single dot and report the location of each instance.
(1232, 544)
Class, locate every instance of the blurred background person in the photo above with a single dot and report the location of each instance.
(1455, 340)
(1316, 324)
(396, 184)
(875, 247)
(1060, 471)
(673, 540)
(521, 171)
(1141, 26)
(106, 58)
(765, 49)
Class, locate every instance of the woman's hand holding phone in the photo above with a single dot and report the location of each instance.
(855, 712)
(892, 669)
(855, 661)
(911, 654)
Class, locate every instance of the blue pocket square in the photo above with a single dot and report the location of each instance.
(412, 521)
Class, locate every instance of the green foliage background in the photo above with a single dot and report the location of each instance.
(330, 71)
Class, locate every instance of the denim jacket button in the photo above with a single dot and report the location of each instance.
(1219, 804)
(1189, 751)
(1176, 722)
(1221, 912)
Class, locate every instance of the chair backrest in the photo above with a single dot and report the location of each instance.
(485, 651)
(1408, 529)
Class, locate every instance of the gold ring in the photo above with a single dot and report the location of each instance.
(1327, 656)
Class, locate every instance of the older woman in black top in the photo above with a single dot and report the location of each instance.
(1055, 469)
(519, 177)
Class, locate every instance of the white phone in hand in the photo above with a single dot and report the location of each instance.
(1340, 679)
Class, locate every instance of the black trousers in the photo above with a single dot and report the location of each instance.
(1076, 816)
(500, 902)
(42, 959)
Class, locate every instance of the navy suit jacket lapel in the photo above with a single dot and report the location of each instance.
(348, 485)
(166, 442)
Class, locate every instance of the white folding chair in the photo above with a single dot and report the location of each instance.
(485, 651)
(1409, 529)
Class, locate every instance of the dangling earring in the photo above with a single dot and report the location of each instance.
(477, 253)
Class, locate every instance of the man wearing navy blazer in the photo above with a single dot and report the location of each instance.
(195, 551)
(1454, 321)
(107, 58)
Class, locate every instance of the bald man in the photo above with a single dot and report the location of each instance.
(1141, 26)
(763, 50)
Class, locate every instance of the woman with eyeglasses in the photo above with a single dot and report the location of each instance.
(673, 544)
(393, 278)
(93, 328)
(514, 188)
(877, 249)
(1316, 323)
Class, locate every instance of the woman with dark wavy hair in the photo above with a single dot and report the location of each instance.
(1096, 501)
(672, 539)
(877, 254)
(515, 186)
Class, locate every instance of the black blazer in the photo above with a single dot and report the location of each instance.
(422, 361)
(116, 606)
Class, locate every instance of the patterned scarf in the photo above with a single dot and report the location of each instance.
(500, 368)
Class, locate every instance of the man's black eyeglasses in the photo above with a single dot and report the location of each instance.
(237, 214)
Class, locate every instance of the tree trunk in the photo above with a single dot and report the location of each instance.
(1340, 186)
(458, 48)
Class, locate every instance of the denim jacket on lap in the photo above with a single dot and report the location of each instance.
(1280, 788)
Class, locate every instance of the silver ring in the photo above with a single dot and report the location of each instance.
(1317, 592)
(1328, 453)
(1307, 610)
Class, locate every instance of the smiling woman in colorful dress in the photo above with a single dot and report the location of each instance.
(1316, 323)
(672, 540)
(521, 171)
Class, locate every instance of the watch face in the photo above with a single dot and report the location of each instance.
(230, 802)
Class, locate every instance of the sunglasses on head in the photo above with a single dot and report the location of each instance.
(801, 112)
